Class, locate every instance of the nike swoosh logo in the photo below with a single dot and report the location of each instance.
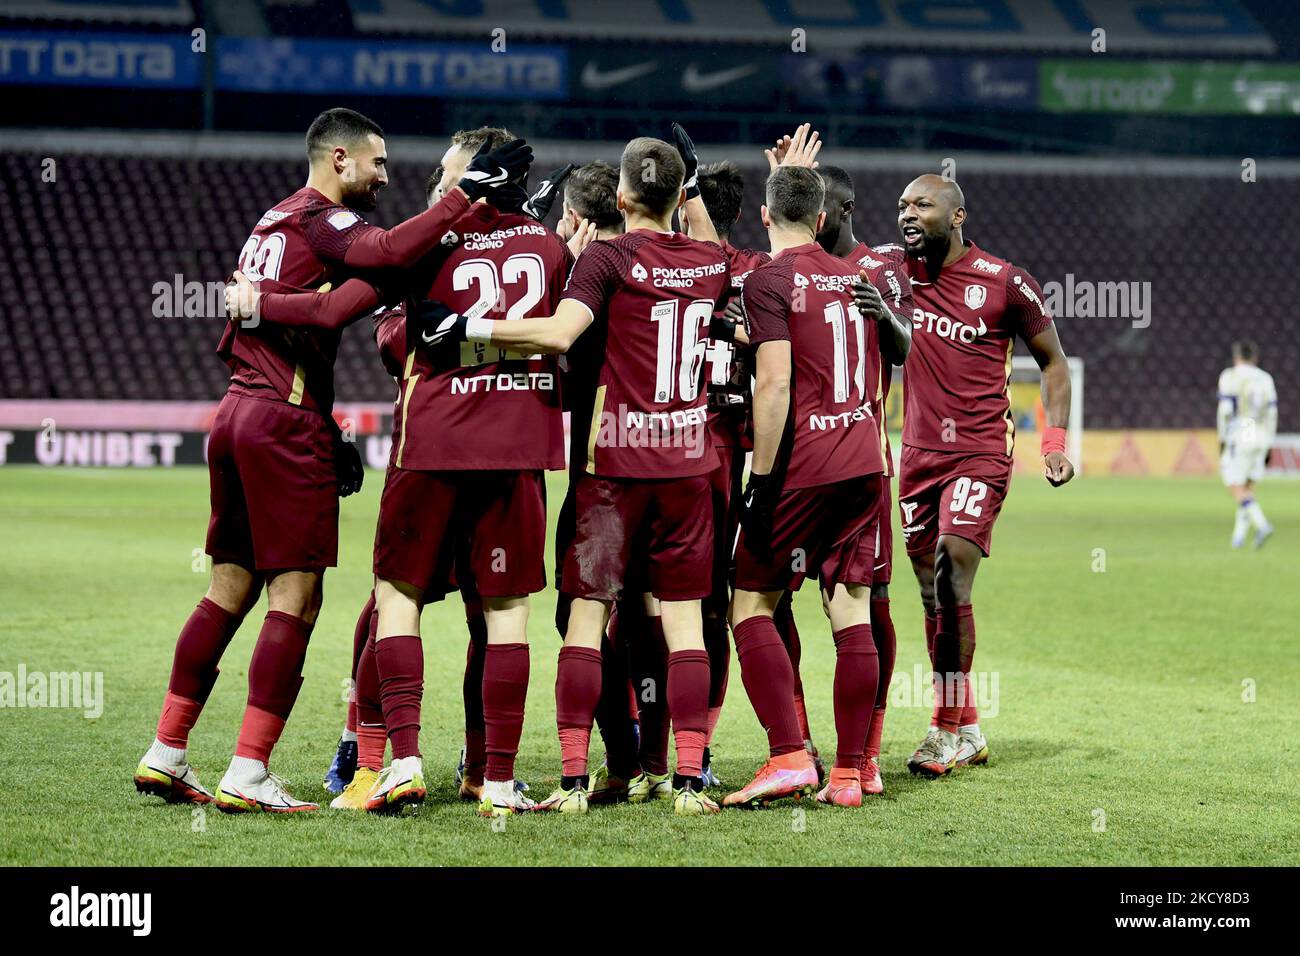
(693, 81)
(959, 521)
(594, 78)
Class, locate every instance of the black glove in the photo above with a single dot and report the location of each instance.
(756, 509)
(540, 203)
(347, 466)
(691, 160)
(722, 329)
(489, 170)
(435, 323)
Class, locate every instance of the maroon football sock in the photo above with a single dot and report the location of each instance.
(612, 714)
(718, 645)
(400, 661)
(857, 673)
(688, 705)
(931, 627)
(768, 678)
(360, 634)
(472, 692)
(505, 689)
(577, 691)
(954, 651)
(882, 632)
(274, 679)
(783, 619)
(372, 736)
(969, 713)
(649, 650)
(204, 638)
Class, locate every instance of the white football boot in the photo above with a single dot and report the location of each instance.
(972, 746)
(401, 783)
(502, 798)
(174, 782)
(936, 755)
(258, 790)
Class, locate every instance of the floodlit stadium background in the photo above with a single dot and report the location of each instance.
(1140, 171)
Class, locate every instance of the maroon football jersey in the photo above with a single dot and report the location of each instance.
(727, 369)
(654, 293)
(804, 296)
(468, 406)
(896, 289)
(964, 327)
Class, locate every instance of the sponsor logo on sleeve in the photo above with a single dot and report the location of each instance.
(983, 265)
(343, 219)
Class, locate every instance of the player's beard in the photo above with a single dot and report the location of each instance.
(931, 246)
(362, 200)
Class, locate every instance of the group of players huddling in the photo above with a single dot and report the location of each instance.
(676, 354)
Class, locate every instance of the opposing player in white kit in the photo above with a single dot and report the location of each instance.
(1247, 423)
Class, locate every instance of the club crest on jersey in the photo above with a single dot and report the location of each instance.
(975, 296)
(638, 272)
(450, 239)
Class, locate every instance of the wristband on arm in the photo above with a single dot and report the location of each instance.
(1053, 440)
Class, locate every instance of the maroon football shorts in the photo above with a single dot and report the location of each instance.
(956, 493)
(661, 528)
(725, 484)
(490, 524)
(274, 489)
(884, 567)
(827, 532)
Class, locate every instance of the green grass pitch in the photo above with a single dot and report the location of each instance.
(1143, 710)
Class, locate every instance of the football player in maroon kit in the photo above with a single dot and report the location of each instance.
(958, 432)
(892, 284)
(474, 496)
(275, 456)
(814, 488)
(651, 292)
(727, 372)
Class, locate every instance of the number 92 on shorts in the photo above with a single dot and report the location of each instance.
(956, 493)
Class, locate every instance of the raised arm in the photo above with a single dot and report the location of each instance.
(326, 308)
(369, 247)
(695, 217)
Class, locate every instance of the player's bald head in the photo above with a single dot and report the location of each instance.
(931, 212)
(938, 189)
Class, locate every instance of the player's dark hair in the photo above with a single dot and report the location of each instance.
(839, 177)
(472, 139)
(722, 187)
(1246, 350)
(795, 194)
(592, 192)
(654, 171)
(431, 184)
(339, 127)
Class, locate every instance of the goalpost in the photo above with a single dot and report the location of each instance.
(1026, 405)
